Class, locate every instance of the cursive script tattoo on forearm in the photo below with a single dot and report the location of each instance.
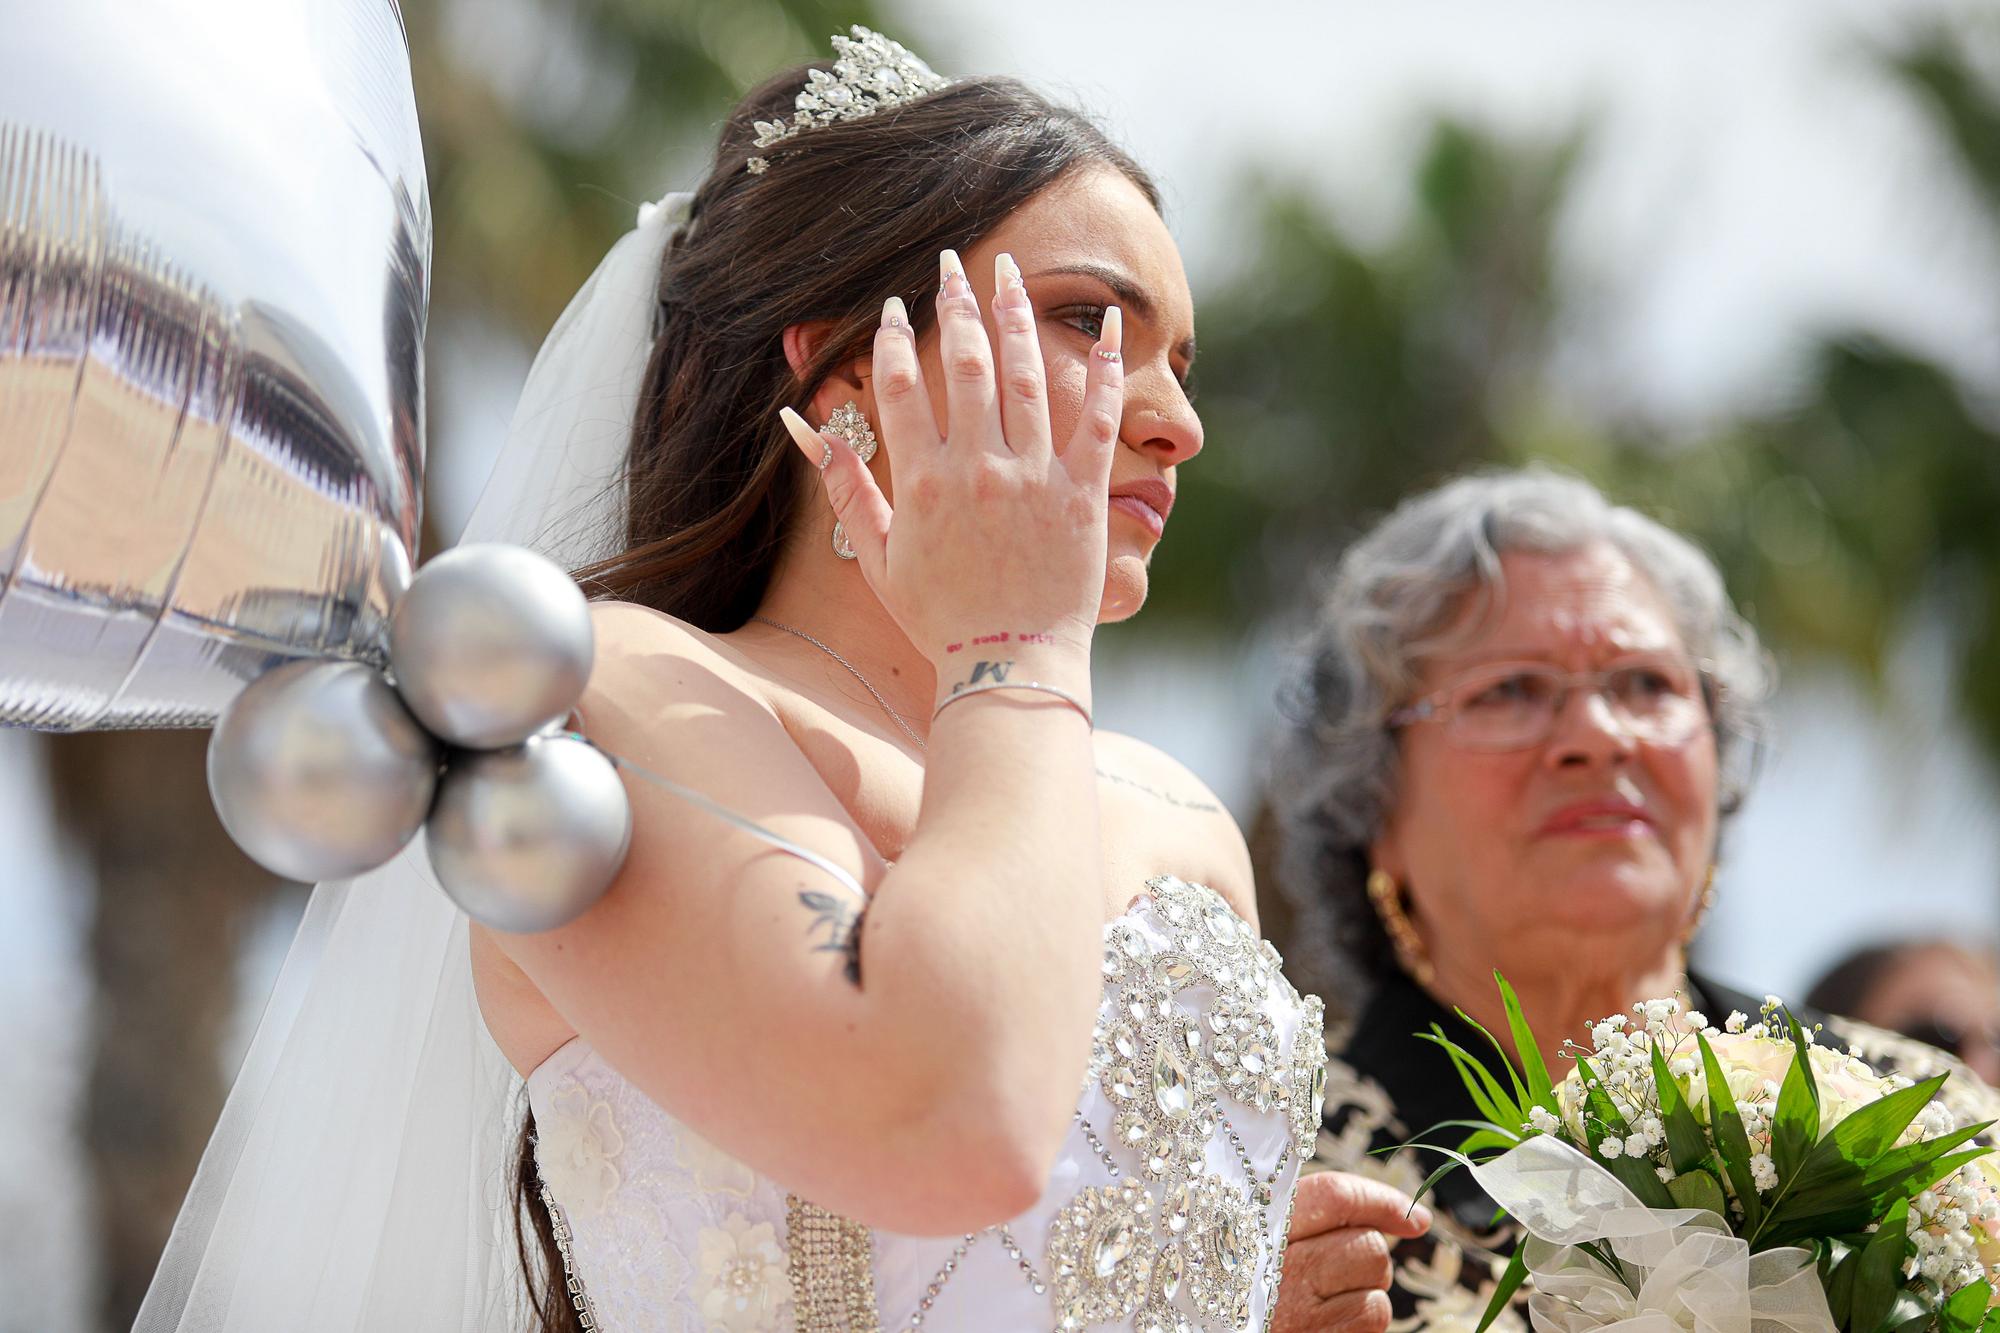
(1178, 802)
(1028, 636)
(841, 924)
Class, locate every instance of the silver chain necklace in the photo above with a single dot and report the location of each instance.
(853, 671)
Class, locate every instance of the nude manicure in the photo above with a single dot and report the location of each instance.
(1111, 339)
(811, 443)
(1007, 284)
(951, 275)
(894, 315)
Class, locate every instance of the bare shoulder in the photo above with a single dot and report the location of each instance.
(626, 630)
(653, 668)
(1158, 812)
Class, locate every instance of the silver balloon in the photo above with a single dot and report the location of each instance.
(214, 252)
(320, 772)
(491, 644)
(526, 838)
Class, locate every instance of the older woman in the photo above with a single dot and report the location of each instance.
(1525, 719)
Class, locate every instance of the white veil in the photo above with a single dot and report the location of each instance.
(359, 1175)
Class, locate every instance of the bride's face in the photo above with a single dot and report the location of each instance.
(1089, 241)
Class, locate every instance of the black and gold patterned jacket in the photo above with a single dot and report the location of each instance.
(1384, 1086)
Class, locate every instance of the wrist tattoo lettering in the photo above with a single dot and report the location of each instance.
(984, 672)
(1004, 636)
(840, 923)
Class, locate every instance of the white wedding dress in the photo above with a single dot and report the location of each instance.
(358, 1176)
(1167, 1209)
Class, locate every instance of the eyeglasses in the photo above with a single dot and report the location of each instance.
(1661, 699)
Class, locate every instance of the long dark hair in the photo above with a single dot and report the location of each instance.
(847, 216)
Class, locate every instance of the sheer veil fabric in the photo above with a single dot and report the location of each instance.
(358, 1177)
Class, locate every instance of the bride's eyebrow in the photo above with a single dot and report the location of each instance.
(1130, 294)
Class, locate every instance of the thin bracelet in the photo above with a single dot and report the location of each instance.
(968, 691)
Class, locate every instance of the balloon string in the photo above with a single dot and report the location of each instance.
(728, 816)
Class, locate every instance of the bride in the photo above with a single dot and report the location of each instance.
(1007, 1053)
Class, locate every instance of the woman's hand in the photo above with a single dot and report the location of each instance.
(997, 528)
(1337, 1267)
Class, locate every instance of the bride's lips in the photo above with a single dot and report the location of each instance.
(1149, 502)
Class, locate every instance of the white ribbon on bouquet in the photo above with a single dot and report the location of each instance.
(1681, 1271)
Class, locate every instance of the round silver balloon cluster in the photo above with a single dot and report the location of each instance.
(327, 769)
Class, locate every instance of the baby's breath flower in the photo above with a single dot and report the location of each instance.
(1763, 1172)
(1611, 1148)
(1636, 1145)
(1735, 1021)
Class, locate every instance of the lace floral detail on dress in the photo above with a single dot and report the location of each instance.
(742, 1286)
(577, 1147)
(1181, 1246)
(714, 1170)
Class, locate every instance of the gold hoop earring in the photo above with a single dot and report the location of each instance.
(850, 424)
(1387, 897)
(1703, 906)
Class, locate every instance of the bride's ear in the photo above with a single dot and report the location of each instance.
(843, 384)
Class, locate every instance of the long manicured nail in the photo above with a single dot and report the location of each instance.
(894, 316)
(811, 443)
(1008, 289)
(1111, 340)
(951, 275)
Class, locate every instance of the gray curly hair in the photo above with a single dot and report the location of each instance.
(1392, 600)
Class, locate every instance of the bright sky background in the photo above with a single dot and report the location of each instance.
(1750, 181)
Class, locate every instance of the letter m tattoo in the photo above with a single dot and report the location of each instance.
(996, 670)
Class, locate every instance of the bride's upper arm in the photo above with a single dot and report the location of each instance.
(1184, 820)
(711, 945)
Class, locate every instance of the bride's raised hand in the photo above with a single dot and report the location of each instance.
(997, 528)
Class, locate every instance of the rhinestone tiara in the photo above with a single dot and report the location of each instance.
(870, 73)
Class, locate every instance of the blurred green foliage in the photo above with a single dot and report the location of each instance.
(546, 123)
(1335, 380)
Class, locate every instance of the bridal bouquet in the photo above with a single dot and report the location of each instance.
(1684, 1176)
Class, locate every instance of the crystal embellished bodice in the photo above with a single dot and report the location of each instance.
(1166, 1210)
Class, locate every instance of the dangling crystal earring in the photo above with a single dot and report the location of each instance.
(1387, 898)
(849, 424)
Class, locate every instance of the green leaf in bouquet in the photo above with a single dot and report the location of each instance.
(1965, 1309)
(1867, 1133)
(1541, 1089)
(1698, 1189)
(1506, 1061)
(1602, 1113)
(1803, 1045)
(1909, 1313)
(1878, 1274)
(1938, 1170)
(1510, 1282)
(1487, 1094)
(1636, 1173)
(1687, 1144)
(1991, 1323)
(1485, 1134)
(1837, 1270)
(1795, 1126)
(1731, 1143)
(1832, 1194)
